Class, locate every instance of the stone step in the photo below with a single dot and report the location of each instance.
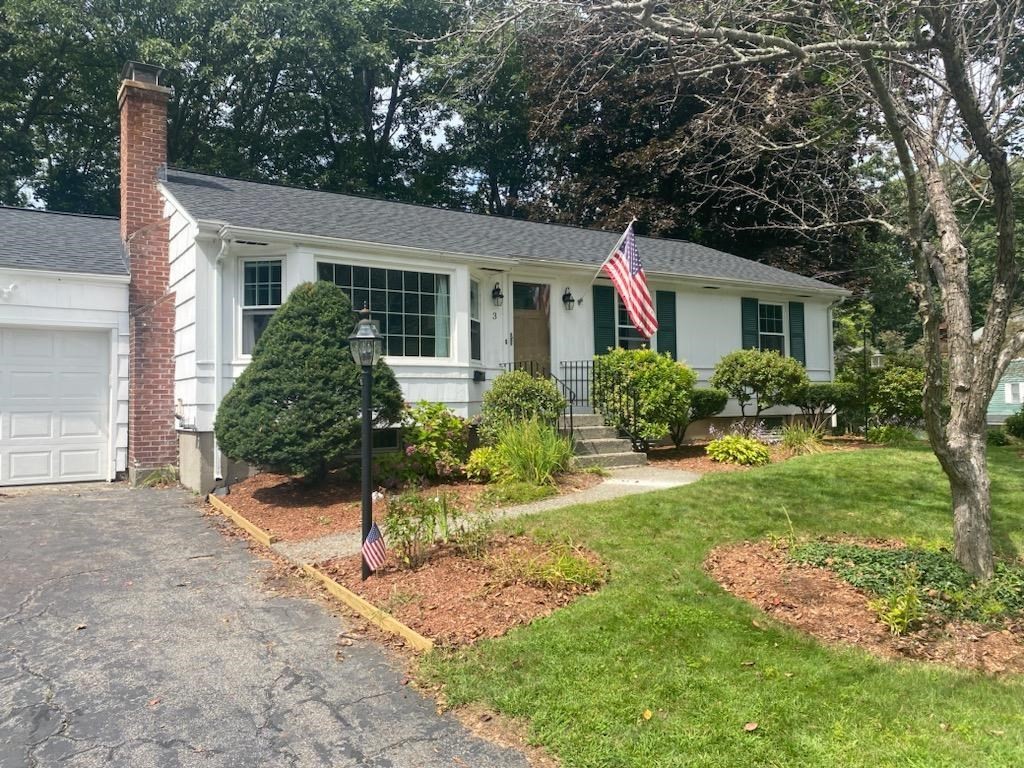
(630, 459)
(584, 420)
(602, 446)
(593, 433)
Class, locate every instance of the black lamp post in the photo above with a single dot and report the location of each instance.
(365, 345)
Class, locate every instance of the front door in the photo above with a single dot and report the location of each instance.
(531, 329)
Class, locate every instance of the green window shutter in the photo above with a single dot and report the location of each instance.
(797, 346)
(665, 302)
(749, 324)
(604, 318)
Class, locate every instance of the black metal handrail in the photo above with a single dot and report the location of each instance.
(612, 394)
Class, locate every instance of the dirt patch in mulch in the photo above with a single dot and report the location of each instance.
(456, 599)
(293, 511)
(818, 602)
(692, 458)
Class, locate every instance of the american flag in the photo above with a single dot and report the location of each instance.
(374, 551)
(627, 274)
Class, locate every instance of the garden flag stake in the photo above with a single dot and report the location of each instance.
(627, 275)
(373, 548)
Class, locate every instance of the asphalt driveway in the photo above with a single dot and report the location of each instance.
(132, 633)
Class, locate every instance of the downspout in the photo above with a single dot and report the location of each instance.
(218, 363)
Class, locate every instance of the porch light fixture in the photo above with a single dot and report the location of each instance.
(365, 344)
(496, 295)
(568, 300)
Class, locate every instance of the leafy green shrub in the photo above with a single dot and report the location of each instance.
(1015, 425)
(414, 522)
(437, 441)
(901, 610)
(704, 403)
(516, 396)
(891, 435)
(737, 449)
(801, 439)
(485, 465)
(297, 405)
(534, 452)
(765, 378)
(944, 587)
(897, 396)
(394, 469)
(642, 392)
(818, 400)
(997, 437)
(506, 492)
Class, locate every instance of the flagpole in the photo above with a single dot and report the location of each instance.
(613, 250)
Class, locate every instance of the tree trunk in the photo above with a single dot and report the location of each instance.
(965, 466)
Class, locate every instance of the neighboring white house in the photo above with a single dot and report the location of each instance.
(63, 348)
(459, 297)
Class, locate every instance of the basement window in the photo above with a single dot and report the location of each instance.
(261, 296)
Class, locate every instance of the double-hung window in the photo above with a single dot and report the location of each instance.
(412, 308)
(261, 296)
(474, 320)
(772, 334)
(628, 337)
(1013, 392)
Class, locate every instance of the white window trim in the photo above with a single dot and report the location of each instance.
(1008, 395)
(407, 266)
(242, 306)
(785, 340)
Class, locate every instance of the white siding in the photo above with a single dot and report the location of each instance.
(67, 301)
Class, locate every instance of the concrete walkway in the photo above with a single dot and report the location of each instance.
(620, 482)
(133, 633)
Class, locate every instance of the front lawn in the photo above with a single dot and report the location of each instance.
(663, 668)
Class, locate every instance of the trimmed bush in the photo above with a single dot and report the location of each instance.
(704, 403)
(997, 437)
(533, 452)
(888, 434)
(517, 396)
(661, 386)
(897, 396)
(765, 378)
(297, 405)
(736, 449)
(1015, 425)
(485, 465)
(818, 400)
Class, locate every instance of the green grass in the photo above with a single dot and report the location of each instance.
(661, 635)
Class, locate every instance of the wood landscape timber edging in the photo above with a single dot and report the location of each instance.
(370, 612)
(264, 538)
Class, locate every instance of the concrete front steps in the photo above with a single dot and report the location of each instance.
(601, 446)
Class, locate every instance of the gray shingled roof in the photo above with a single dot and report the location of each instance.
(60, 242)
(329, 214)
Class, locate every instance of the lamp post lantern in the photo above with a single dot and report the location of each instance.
(365, 343)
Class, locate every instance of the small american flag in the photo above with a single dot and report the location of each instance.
(627, 273)
(374, 551)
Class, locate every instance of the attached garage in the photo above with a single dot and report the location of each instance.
(63, 348)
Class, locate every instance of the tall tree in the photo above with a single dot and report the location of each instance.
(937, 89)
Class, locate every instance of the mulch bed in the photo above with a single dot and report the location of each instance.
(692, 458)
(818, 602)
(293, 511)
(455, 599)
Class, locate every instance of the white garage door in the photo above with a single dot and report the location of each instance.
(54, 406)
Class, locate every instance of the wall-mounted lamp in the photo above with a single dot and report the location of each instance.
(568, 300)
(496, 295)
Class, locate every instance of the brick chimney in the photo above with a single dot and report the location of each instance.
(152, 440)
